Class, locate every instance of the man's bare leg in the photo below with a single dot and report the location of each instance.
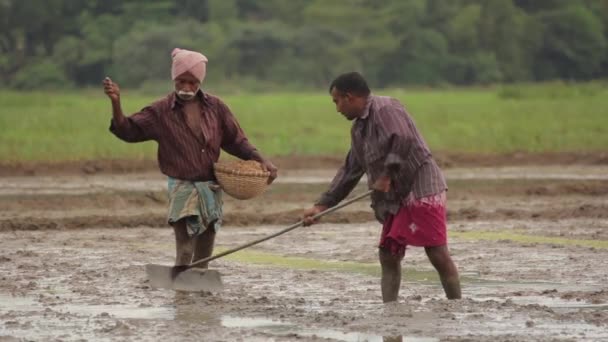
(448, 273)
(391, 275)
(203, 246)
(183, 243)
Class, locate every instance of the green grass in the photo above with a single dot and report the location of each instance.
(298, 263)
(531, 118)
(522, 237)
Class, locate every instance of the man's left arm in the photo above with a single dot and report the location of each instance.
(235, 142)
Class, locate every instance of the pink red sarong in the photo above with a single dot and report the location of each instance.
(420, 222)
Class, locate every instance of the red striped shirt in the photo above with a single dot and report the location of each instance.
(384, 140)
(186, 151)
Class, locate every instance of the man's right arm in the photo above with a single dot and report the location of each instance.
(343, 183)
(138, 127)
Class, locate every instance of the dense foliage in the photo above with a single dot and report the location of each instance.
(303, 43)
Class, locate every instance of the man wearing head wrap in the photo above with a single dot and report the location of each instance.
(190, 127)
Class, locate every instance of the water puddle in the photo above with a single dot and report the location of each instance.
(120, 311)
(551, 302)
(23, 304)
(280, 328)
(263, 325)
(20, 307)
(26, 304)
(489, 173)
(78, 185)
(537, 172)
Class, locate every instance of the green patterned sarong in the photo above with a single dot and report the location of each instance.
(196, 202)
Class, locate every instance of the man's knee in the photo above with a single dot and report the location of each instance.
(437, 252)
(180, 228)
(440, 258)
(387, 259)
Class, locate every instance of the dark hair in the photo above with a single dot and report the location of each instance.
(351, 82)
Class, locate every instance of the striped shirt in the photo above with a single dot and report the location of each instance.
(188, 145)
(385, 141)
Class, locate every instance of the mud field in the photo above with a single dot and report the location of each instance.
(531, 244)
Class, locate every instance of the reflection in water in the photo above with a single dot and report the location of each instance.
(392, 339)
(282, 328)
(189, 308)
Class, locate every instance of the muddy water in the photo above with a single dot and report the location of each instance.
(90, 284)
(529, 245)
(82, 184)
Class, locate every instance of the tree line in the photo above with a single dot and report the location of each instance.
(303, 43)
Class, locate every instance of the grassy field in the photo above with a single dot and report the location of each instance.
(534, 118)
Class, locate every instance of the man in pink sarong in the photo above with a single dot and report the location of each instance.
(410, 190)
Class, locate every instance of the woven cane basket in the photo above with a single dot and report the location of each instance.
(243, 179)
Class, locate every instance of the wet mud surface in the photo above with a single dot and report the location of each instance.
(530, 243)
(298, 162)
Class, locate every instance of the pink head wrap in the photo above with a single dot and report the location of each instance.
(186, 60)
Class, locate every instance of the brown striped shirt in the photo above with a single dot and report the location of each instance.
(187, 146)
(384, 140)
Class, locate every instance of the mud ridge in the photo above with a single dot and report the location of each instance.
(297, 193)
(445, 159)
(289, 217)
